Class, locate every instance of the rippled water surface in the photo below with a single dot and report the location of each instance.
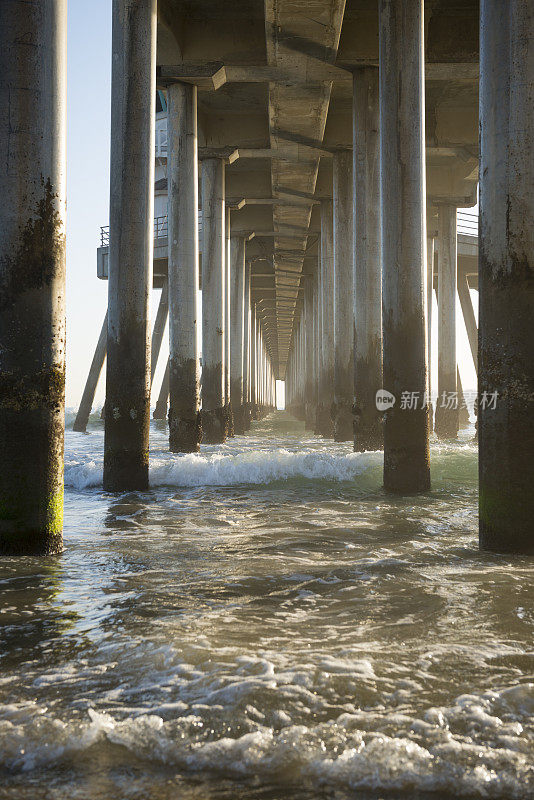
(266, 623)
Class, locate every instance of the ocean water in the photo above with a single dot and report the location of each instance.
(266, 623)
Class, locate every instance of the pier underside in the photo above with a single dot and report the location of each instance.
(294, 561)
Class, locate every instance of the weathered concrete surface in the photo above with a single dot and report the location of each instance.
(246, 350)
(185, 428)
(237, 332)
(344, 302)
(447, 411)
(368, 427)
(317, 344)
(157, 337)
(326, 378)
(214, 412)
(506, 277)
(309, 344)
(32, 275)
(406, 444)
(429, 295)
(253, 363)
(131, 245)
(227, 325)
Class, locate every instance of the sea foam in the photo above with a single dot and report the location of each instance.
(349, 752)
(261, 466)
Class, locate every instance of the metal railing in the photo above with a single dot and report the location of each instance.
(467, 222)
(160, 230)
(161, 227)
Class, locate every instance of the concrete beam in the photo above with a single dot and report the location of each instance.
(469, 317)
(304, 152)
(209, 77)
(88, 396)
(227, 154)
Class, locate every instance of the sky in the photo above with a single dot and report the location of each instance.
(88, 125)
(88, 145)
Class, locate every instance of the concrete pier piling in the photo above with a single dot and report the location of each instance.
(214, 413)
(246, 349)
(32, 274)
(402, 151)
(342, 315)
(157, 338)
(447, 406)
(302, 371)
(131, 245)
(506, 276)
(237, 331)
(227, 323)
(429, 294)
(88, 396)
(262, 366)
(326, 377)
(185, 428)
(259, 358)
(344, 302)
(368, 427)
(317, 344)
(253, 363)
(309, 378)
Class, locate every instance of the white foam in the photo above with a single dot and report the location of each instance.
(341, 753)
(262, 466)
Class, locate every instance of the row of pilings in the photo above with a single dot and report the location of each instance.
(373, 245)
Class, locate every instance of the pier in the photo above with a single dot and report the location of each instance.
(308, 175)
(267, 418)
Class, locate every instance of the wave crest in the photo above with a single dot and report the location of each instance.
(222, 469)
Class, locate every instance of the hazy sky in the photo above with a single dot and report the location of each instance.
(88, 122)
(88, 127)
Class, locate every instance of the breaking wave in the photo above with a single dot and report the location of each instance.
(224, 469)
(476, 747)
